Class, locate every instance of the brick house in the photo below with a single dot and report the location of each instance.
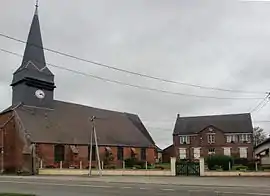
(37, 127)
(201, 136)
(167, 153)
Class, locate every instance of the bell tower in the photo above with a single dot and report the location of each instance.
(33, 83)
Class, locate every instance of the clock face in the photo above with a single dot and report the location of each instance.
(40, 94)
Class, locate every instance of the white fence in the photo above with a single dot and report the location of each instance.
(111, 172)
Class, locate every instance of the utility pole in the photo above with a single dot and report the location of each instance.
(2, 150)
(33, 159)
(93, 132)
(90, 148)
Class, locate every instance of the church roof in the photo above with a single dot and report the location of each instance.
(69, 123)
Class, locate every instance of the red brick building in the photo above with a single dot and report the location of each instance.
(201, 136)
(38, 127)
(167, 153)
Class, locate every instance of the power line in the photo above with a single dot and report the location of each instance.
(132, 72)
(262, 104)
(261, 121)
(137, 86)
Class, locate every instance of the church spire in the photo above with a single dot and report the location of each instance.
(34, 54)
(36, 10)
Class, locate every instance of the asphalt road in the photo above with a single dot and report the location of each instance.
(51, 187)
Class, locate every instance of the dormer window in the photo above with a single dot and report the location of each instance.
(184, 139)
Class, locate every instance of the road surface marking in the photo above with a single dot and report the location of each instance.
(126, 187)
(143, 188)
(167, 189)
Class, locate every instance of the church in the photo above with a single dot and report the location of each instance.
(37, 129)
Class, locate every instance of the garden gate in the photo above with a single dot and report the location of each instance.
(188, 168)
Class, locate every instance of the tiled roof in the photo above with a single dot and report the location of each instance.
(69, 122)
(229, 123)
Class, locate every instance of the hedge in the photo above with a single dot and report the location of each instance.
(218, 161)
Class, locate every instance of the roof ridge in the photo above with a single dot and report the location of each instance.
(87, 106)
(216, 115)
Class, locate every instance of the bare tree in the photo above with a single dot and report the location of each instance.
(258, 135)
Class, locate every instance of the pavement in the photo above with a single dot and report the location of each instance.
(131, 186)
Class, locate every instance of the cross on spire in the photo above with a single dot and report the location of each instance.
(36, 11)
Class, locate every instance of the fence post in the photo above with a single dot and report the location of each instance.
(41, 164)
(173, 164)
(61, 165)
(102, 165)
(201, 166)
(146, 165)
(256, 166)
(229, 165)
(80, 164)
(124, 165)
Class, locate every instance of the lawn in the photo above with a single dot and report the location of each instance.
(163, 165)
(15, 194)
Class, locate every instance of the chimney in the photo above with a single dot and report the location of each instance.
(178, 115)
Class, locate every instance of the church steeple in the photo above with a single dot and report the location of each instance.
(34, 53)
(33, 74)
(36, 10)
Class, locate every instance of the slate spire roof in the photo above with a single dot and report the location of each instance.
(33, 62)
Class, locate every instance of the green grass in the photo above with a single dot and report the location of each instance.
(15, 194)
(164, 165)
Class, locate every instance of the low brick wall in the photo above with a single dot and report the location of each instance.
(235, 173)
(77, 172)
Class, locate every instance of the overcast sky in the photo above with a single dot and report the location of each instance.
(219, 43)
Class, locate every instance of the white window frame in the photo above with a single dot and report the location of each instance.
(227, 151)
(184, 139)
(245, 138)
(243, 152)
(211, 138)
(231, 138)
(182, 153)
(210, 151)
(196, 153)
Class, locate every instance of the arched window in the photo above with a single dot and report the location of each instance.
(59, 153)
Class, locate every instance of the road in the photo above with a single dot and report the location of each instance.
(80, 187)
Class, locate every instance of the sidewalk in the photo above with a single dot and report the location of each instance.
(179, 180)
